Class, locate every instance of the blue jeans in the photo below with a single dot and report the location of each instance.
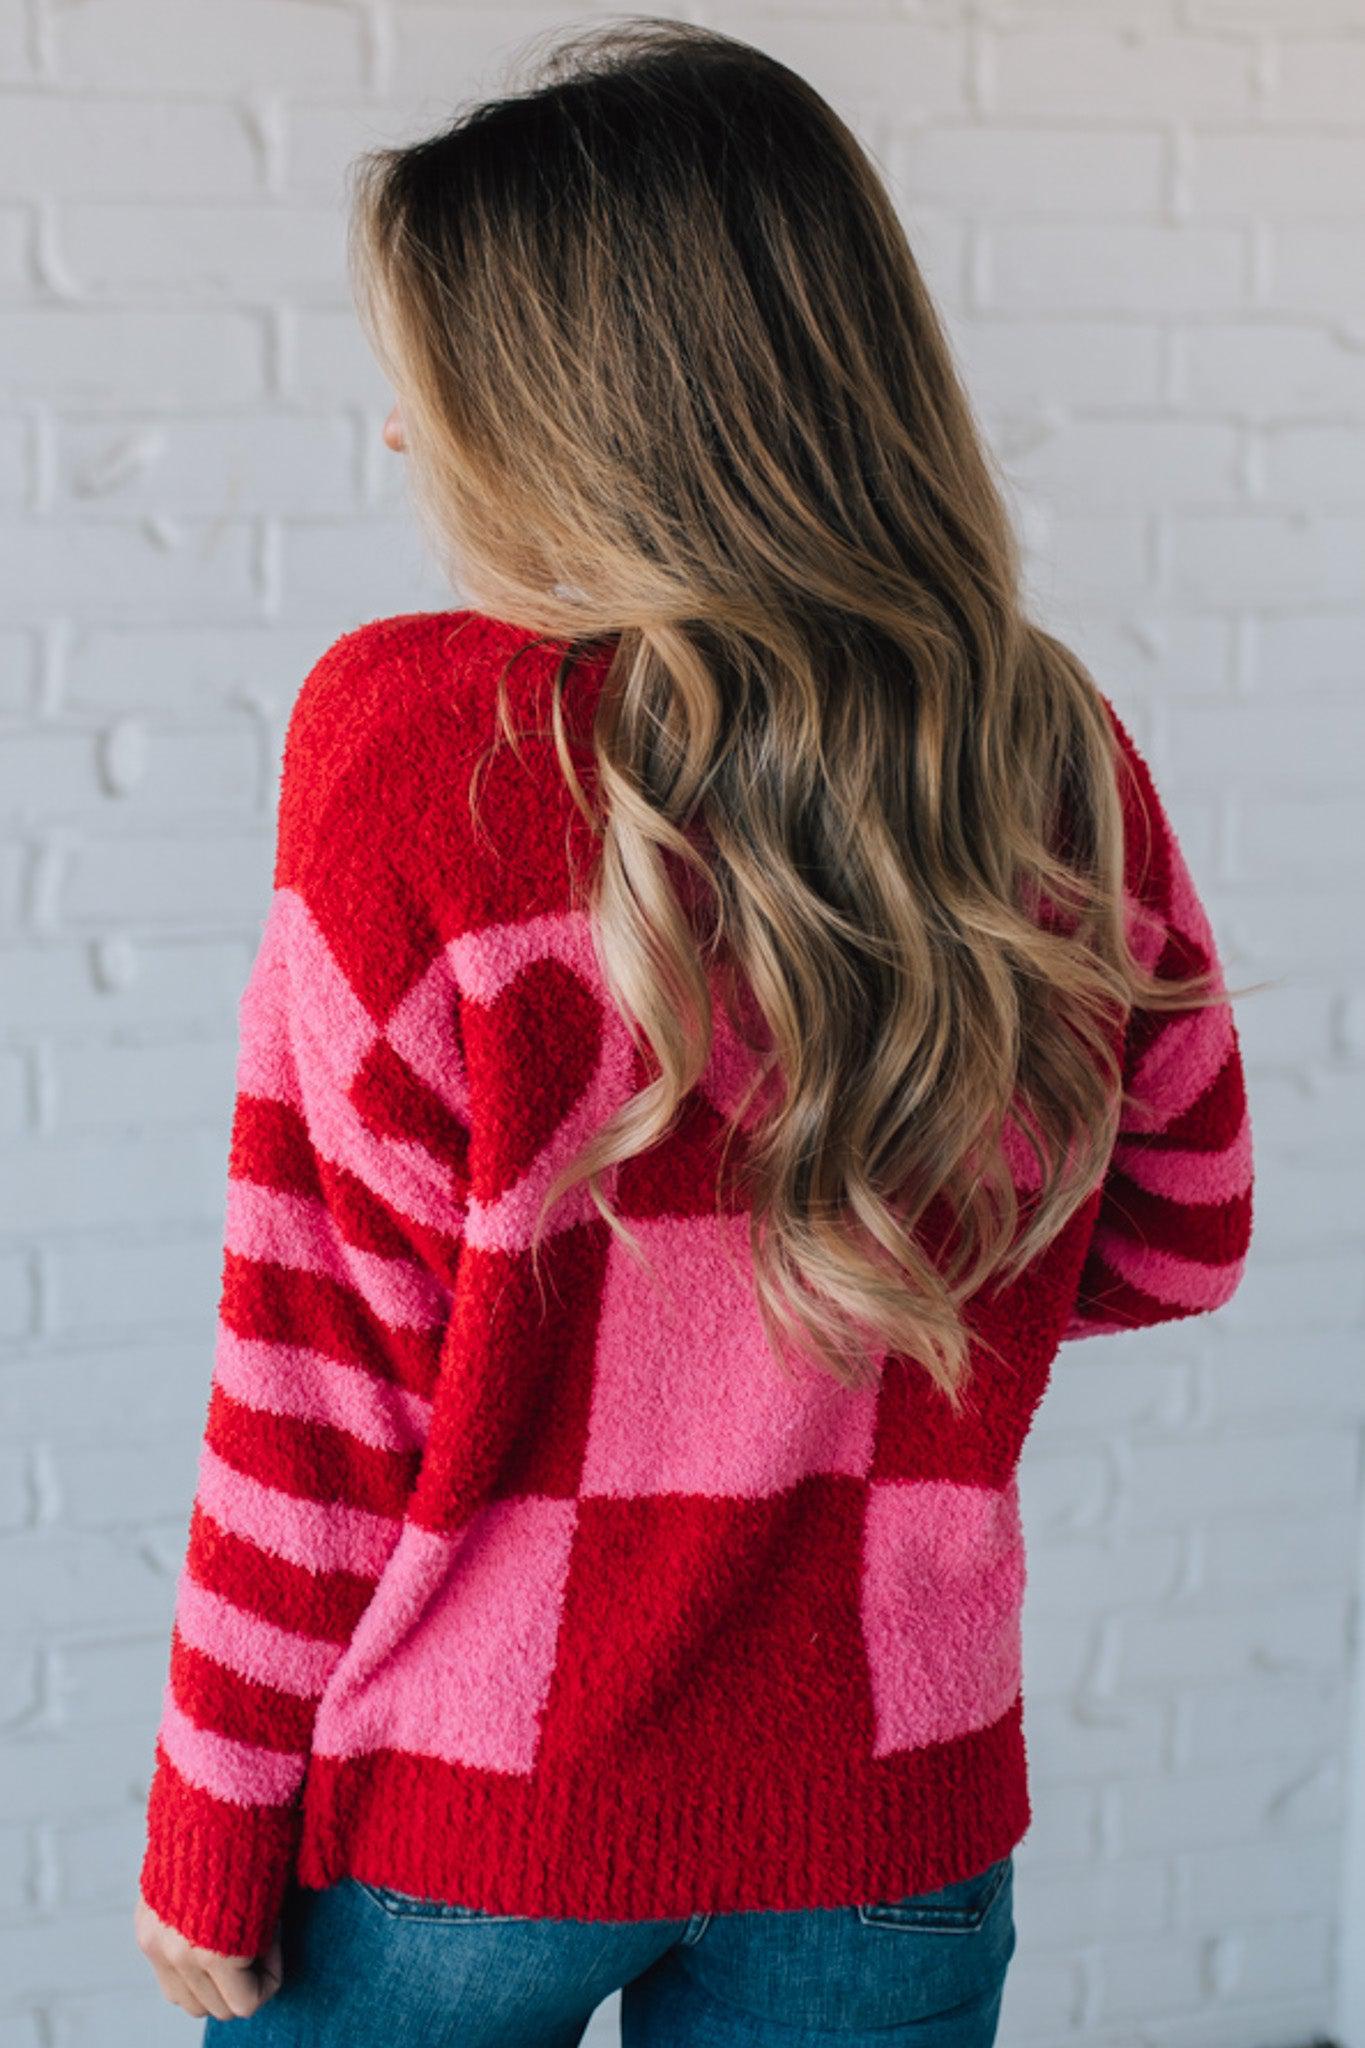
(367, 1967)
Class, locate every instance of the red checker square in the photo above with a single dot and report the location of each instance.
(694, 1628)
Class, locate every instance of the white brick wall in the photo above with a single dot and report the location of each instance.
(1145, 223)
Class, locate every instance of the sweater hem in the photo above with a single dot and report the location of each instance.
(627, 1843)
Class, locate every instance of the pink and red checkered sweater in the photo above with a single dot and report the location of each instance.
(585, 1609)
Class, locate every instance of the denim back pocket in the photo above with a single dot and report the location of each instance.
(958, 1908)
(407, 1906)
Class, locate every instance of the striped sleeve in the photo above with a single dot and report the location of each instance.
(1173, 1223)
(345, 1202)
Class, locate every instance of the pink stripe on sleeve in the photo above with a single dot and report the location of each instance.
(276, 1228)
(1188, 1285)
(1187, 1174)
(286, 1379)
(1185, 1058)
(295, 976)
(240, 1772)
(323, 1535)
(250, 1646)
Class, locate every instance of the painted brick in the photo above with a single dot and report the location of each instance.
(1078, 73)
(74, 145)
(1309, 176)
(1025, 170)
(69, 355)
(278, 462)
(1318, 267)
(1126, 268)
(219, 252)
(278, 45)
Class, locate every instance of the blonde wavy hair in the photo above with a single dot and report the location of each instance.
(669, 373)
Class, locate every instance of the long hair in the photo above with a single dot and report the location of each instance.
(670, 374)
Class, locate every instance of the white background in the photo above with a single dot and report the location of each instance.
(1145, 223)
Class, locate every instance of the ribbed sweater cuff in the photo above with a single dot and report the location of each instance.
(214, 1871)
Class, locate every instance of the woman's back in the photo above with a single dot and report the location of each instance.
(570, 1601)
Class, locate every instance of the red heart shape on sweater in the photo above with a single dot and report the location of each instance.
(530, 1055)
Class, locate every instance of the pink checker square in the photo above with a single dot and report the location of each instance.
(687, 1397)
(454, 1654)
(942, 1589)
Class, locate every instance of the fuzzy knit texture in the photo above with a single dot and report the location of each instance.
(581, 1607)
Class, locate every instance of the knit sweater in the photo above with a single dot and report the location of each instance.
(561, 1598)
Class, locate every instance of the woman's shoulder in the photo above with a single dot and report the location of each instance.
(377, 678)
(387, 728)
(404, 686)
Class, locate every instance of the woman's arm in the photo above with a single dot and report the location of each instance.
(346, 1195)
(1173, 1226)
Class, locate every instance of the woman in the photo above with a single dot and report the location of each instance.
(732, 1004)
